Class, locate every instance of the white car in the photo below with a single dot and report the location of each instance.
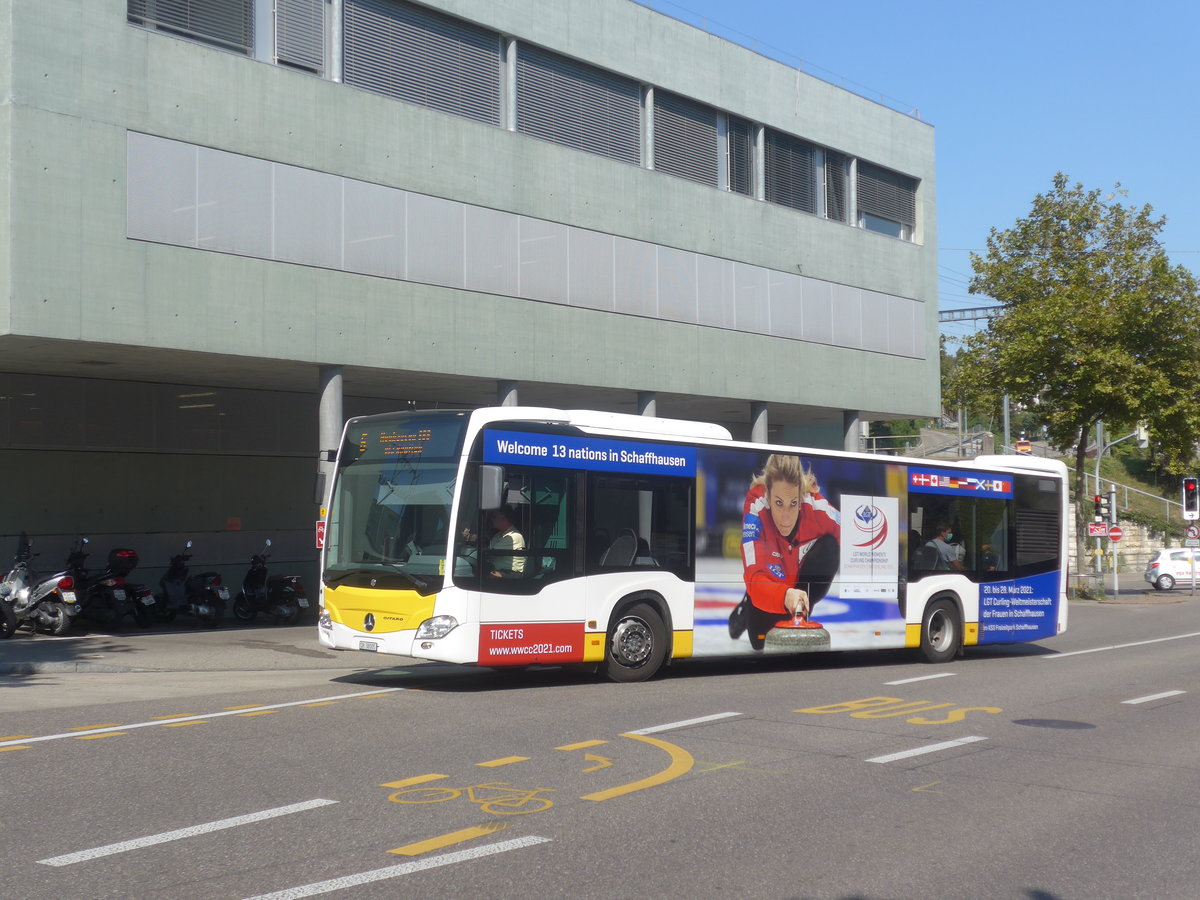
(1171, 566)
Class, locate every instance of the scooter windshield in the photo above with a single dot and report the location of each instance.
(390, 512)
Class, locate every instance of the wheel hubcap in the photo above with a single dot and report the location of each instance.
(632, 642)
(939, 631)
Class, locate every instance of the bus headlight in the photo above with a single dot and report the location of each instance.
(324, 620)
(437, 627)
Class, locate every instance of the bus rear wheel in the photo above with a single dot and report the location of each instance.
(637, 644)
(941, 631)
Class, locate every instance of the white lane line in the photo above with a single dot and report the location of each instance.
(1174, 637)
(196, 718)
(433, 862)
(68, 859)
(921, 678)
(1155, 697)
(931, 748)
(654, 729)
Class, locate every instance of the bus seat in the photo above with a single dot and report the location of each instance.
(622, 551)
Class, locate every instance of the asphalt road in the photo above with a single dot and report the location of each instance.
(249, 762)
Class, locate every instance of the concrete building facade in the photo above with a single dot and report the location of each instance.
(226, 225)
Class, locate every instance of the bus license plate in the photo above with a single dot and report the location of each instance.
(368, 645)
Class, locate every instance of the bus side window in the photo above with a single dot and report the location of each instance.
(639, 522)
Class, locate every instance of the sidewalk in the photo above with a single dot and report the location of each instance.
(228, 649)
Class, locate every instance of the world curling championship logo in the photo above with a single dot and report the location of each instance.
(871, 524)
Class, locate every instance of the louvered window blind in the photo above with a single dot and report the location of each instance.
(741, 156)
(789, 173)
(836, 178)
(300, 34)
(887, 194)
(415, 54)
(685, 138)
(572, 103)
(225, 23)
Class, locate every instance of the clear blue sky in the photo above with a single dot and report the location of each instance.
(1106, 92)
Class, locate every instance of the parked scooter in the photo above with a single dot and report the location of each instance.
(280, 596)
(104, 599)
(15, 586)
(48, 603)
(202, 596)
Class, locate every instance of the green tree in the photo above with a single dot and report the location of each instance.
(1096, 325)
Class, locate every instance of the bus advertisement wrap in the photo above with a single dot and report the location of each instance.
(593, 453)
(1025, 609)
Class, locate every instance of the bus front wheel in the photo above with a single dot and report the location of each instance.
(637, 644)
(941, 631)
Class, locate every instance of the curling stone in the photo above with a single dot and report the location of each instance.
(796, 636)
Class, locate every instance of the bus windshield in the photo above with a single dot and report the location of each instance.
(389, 514)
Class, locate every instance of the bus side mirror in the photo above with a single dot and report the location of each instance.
(491, 487)
(319, 489)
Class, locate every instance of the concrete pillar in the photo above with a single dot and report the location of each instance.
(647, 402)
(330, 422)
(506, 393)
(758, 422)
(851, 431)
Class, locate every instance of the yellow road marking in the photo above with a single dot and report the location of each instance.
(90, 727)
(419, 779)
(505, 761)
(445, 840)
(681, 764)
(6, 749)
(581, 745)
(261, 712)
(714, 767)
(16, 737)
(96, 737)
(176, 716)
(321, 703)
(604, 763)
(367, 697)
(928, 788)
(183, 724)
(244, 706)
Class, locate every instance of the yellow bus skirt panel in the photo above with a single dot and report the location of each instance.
(682, 645)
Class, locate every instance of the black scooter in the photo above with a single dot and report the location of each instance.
(280, 596)
(202, 596)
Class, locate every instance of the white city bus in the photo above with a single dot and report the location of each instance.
(629, 541)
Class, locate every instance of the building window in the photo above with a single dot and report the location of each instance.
(790, 172)
(741, 156)
(414, 54)
(228, 24)
(887, 201)
(572, 103)
(685, 138)
(300, 34)
(837, 177)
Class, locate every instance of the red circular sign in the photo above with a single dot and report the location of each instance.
(1115, 533)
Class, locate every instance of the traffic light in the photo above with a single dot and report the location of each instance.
(1103, 509)
(1191, 498)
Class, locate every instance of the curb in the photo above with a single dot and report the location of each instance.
(50, 668)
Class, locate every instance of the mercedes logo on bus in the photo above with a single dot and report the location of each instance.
(369, 621)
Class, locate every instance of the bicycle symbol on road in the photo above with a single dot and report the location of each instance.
(495, 797)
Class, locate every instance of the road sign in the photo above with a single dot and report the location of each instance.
(1192, 532)
(1115, 533)
(1097, 529)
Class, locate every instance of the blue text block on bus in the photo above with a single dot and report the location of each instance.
(598, 453)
